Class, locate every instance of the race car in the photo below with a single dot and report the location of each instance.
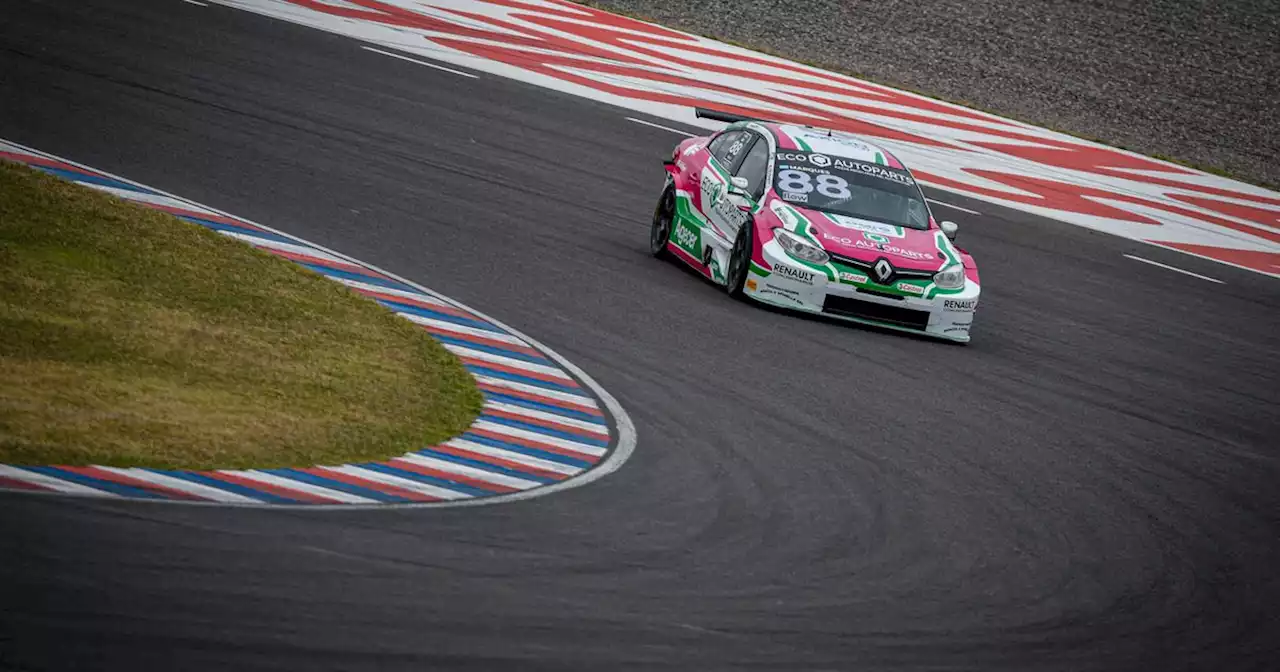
(817, 221)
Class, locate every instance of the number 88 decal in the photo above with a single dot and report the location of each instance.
(799, 182)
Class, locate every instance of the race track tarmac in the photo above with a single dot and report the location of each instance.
(1091, 484)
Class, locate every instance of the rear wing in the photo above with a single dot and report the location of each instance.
(729, 118)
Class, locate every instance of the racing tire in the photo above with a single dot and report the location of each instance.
(664, 217)
(740, 260)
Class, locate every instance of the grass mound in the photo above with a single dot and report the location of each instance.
(131, 338)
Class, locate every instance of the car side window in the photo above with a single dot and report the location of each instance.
(727, 147)
(755, 167)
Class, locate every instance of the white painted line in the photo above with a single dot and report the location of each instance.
(665, 128)
(952, 205)
(1179, 270)
(414, 60)
(1216, 261)
(196, 3)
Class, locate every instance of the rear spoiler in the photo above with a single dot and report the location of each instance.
(729, 118)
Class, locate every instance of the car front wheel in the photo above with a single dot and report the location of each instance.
(739, 260)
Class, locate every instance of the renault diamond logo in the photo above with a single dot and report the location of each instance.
(883, 270)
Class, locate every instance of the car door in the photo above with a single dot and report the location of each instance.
(751, 165)
(726, 151)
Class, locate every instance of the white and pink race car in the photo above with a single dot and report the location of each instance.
(817, 221)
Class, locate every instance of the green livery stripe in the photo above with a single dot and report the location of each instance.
(760, 270)
(944, 247)
(932, 291)
(880, 158)
(802, 144)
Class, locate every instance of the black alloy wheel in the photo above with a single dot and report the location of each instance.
(740, 259)
(663, 217)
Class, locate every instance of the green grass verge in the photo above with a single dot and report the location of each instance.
(131, 338)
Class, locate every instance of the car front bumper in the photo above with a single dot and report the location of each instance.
(785, 283)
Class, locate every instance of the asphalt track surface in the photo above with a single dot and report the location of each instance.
(1090, 484)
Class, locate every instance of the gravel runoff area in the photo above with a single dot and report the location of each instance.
(1196, 81)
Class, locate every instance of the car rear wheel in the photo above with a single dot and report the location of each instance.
(739, 260)
(663, 217)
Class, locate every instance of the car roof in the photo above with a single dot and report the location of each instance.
(834, 143)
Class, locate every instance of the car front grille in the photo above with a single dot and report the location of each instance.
(896, 315)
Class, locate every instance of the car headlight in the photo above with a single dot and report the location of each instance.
(798, 247)
(951, 277)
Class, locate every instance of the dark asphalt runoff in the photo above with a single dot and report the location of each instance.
(1092, 484)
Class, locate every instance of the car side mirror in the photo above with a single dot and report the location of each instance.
(738, 185)
(949, 229)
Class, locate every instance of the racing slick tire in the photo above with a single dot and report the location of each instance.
(663, 219)
(739, 260)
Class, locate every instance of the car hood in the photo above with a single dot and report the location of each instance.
(865, 240)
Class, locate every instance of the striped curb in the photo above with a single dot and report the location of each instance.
(544, 426)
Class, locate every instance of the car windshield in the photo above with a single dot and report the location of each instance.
(850, 187)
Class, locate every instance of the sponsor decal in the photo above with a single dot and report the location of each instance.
(780, 290)
(893, 249)
(729, 212)
(876, 238)
(711, 186)
(681, 165)
(688, 238)
(857, 278)
(794, 274)
(844, 221)
(839, 239)
(874, 170)
(794, 197)
(960, 305)
(910, 288)
(820, 160)
(781, 295)
(691, 149)
(751, 284)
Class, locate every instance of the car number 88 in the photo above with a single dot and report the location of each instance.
(798, 182)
